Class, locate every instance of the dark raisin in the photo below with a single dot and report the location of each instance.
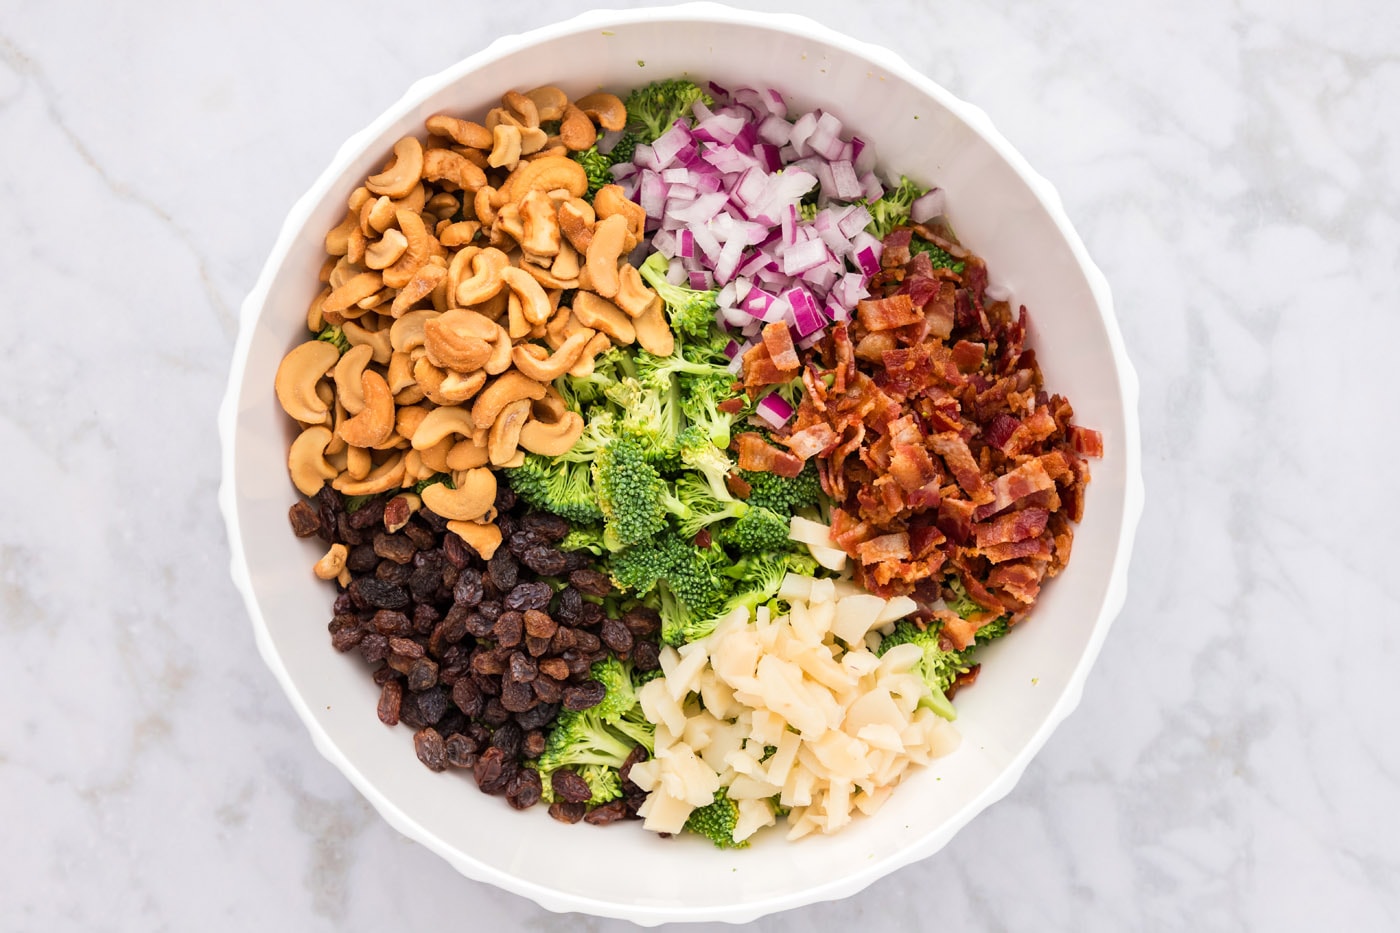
(445, 633)
(549, 690)
(342, 604)
(371, 513)
(362, 559)
(374, 647)
(646, 656)
(393, 572)
(406, 647)
(642, 621)
(522, 541)
(587, 694)
(505, 498)
(409, 713)
(452, 721)
(382, 675)
(592, 615)
(467, 697)
(586, 642)
(423, 674)
(509, 629)
(396, 548)
(425, 618)
(461, 750)
(346, 532)
(487, 662)
(343, 639)
(524, 789)
(546, 524)
(536, 646)
(478, 733)
(491, 609)
(392, 623)
(538, 716)
(569, 786)
(521, 668)
(579, 664)
(431, 520)
(427, 742)
(557, 668)
(616, 636)
(494, 714)
(591, 582)
(371, 593)
(467, 592)
(489, 768)
(533, 745)
(638, 754)
(424, 583)
(488, 684)
(456, 551)
(432, 704)
(529, 596)
(570, 609)
(517, 697)
(328, 507)
(305, 521)
(564, 639)
(390, 696)
(539, 624)
(567, 812)
(503, 570)
(478, 626)
(508, 738)
(421, 535)
(607, 813)
(577, 560)
(545, 561)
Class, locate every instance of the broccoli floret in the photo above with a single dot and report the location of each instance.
(582, 738)
(616, 677)
(638, 568)
(556, 485)
(807, 210)
(584, 538)
(608, 367)
(756, 531)
(761, 575)
(716, 821)
(596, 167)
(335, 336)
(651, 415)
(651, 110)
(604, 782)
(782, 495)
(941, 258)
(597, 741)
(892, 209)
(938, 667)
(633, 497)
(623, 149)
(691, 312)
(700, 400)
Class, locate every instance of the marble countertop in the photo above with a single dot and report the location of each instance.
(1232, 168)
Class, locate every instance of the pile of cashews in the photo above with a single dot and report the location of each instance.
(446, 278)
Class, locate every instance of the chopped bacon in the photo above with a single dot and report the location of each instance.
(896, 248)
(923, 538)
(925, 497)
(893, 546)
(968, 355)
(759, 456)
(731, 406)
(1086, 441)
(960, 632)
(1002, 427)
(955, 519)
(1027, 478)
(1019, 581)
(1013, 526)
(760, 370)
(911, 466)
(980, 595)
(1038, 548)
(778, 339)
(887, 313)
(963, 680)
(738, 487)
(940, 313)
(812, 440)
(954, 451)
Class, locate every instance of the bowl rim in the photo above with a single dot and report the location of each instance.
(1045, 193)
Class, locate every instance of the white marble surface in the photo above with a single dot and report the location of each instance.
(1231, 166)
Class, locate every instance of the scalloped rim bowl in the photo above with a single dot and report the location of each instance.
(1002, 210)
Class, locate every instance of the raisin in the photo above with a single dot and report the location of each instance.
(371, 593)
(467, 592)
(517, 697)
(342, 604)
(409, 713)
(646, 656)
(488, 684)
(374, 647)
(548, 689)
(586, 642)
(547, 525)
(564, 639)
(570, 609)
(343, 639)
(368, 514)
(461, 750)
(569, 786)
(489, 768)
(617, 636)
(393, 572)
(424, 583)
(452, 721)
(567, 812)
(554, 667)
(382, 675)
(432, 704)
(478, 733)
(422, 674)
(529, 596)
(424, 618)
(522, 541)
(505, 498)
(533, 745)
(607, 813)
(362, 559)
(503, 570)
(346, 532)
(521, 669)
(392, 623)
(396, 548)
(494, 714)
(447, 632)
(538, 716)
(431, 519)
(508, 738)
(539, 624)
(456, 551)
(486, 662)
(577, 560)
(305, 521)
(478, 626)
(420, 535)
(591, 582)
(592, 615)
(467, 697)
(390, 696)
(586, 695)
(491, 609)
(427, 743)
(407, 647)
(579, 664)
(524, 789)
(545, 561)
(642, 621)
(637, 755)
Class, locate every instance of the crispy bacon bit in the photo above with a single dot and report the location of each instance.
(958, 631)
(1086, 441)
(968, 355)
(964, 680)
(954, 451)
(1038, 548)
(731, 406)
(738, 487)
(886, 547)
(955, 519)
(912, 467)
(812, 440)
(1020, 581)
(778, 340)
(1000, 430)
(887, 313)
(1029, 477)
(759, 456)
(1013, 526)
(923, 538)
(760, 370)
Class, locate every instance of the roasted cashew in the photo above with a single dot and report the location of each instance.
(505, 147)
(473, 497)
(549, 102)
(382, 478)
(377, 215)
(576, 220)
(459, 386)
(413, 201)
(449, 169)
(399, 178)
(499, 360)
(434, 383)
(508, 224)
(498, 115)
(560, 327)
(375, 422)
(434, 458)
(408, 418)
(443, 204)
(466, 454)
(552, 439)
(315, 317)
(407, 332)
(337, 238)
(609, 239)
(458, 234)
(420, 247)
(486, 280)
(611, 200)
(653, 333)
(400, 372)
(546, 174)
(451, 346)
(534, 303)
(576, 131)
(378, 339)
(306, 460)
(332, 563)
(583, 366)
(601, 314)
(485, 539)
(355, 247)
(516, 325)
(484, 206)
(462, 132)
(540, 224)
(428, 277)
(503, 390)
(297, 376)
(504, 437)
(522, 106)
(633, 294)
(537, 363)
(384, 252)
(358, 462)
(565, 266)
(347, 377)
(353, 290)
(605, 109)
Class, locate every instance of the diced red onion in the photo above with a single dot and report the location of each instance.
(843, 176)
(927, 206)
(700, 281)
(871, 186)
(652, 194)
(774, 409)
(800, 257)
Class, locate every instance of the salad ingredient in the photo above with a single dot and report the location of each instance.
(793, 712)
(653, 109)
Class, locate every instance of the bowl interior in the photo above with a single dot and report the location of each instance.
(1030, 679)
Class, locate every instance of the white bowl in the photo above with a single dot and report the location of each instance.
(1001, 209)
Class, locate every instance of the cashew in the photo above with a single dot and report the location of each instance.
(378, 339)
(413, 201)
(516, 325)
(462, 132)
(384, 252)
(583, 366)
(508, 224)
(560, 327)
(458, 234)
(451, 346)
(474, 495)
(375, 422)
(359, 287)
(398, 179)
(549, 102)
(297, 376)
(451, 170)
(499, 360)
(547, 279)
(546, 174)
(609, 238)
(533, 301)
(306, 460)
(400, 373)
(458, 269)
(504, 437)
(498, 115)
(503, 390)
(382, 478)
(377, 215)
(407, 332)
(337, 238)
(505, 147)
(601, 314)
(355, 246)
(330, 565)
(552, 439)
(420, 246)
(315, 319)
(565, 265)
(540, 224)
(434, 458)
(484, 539)
(633, 294)
(483, 205)
(576, 220)
(605, 109)
(487, 268)
(532, 140)
(522, 106)
(610, 200)
(576, 131)
(347, 377)
(443, 204)
(550, 408)
(411, 395)
(446, 388)
(408, 418)
(459, 387)
(535, 362)
(653, 333)
(467, 453)
(358, 462)
(428, 277)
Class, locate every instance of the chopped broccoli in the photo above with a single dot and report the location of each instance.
(556, 485)
(631, 494)
(651, 110)
(422, 484)
(760, 576)
(582, 738)
(716, 821)
(941, 258)
(756, 531)
(651, 414)
(584, 538)
(335, 336)
(938, 667)
(782, 495)
(700, 405)
(692, 312)
(616, 678)
(623, 149)
(596, 167)
(892, 209)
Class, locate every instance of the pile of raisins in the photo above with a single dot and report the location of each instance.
(479, 656)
